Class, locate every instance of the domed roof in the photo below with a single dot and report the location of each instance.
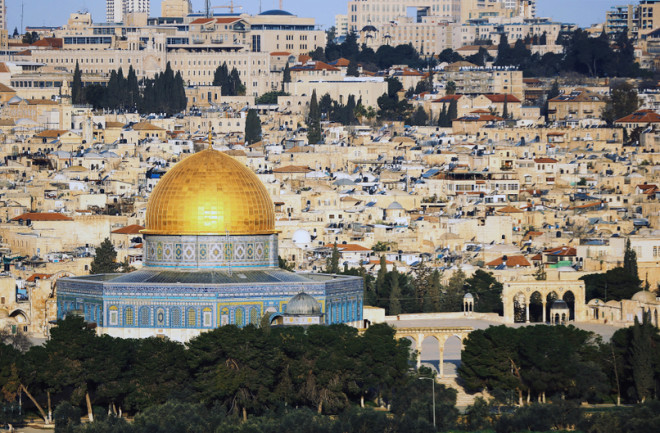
(395, 205)
(303, 304)
(559, 305)
(276, 12)
(301, 237)
(468, 296)
(644, 296)
(209, 193)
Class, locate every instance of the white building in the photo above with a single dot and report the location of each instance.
(115, 10)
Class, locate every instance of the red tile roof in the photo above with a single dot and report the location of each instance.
(511, 261)
(280, 53)
(641, 116)
(348, 247)
(545, 160)
(42, 216)
(499, 98)
(561, 251)
(133, 229)
(34, 277)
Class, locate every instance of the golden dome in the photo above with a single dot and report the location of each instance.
(209, 193)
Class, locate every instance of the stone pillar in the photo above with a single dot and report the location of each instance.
(418, 345)
(441, 360)
(526, 312)
(544, 305)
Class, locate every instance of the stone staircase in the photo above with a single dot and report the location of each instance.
(463, 399)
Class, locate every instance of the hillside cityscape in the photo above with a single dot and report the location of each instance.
(431, 216)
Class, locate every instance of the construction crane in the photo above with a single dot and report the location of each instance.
(231, 6)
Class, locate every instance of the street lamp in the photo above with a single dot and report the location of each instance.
(433, 387)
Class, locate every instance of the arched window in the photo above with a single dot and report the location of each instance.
(254, 315)
(145, 320)
(207, 316)
(239, 317)
(175, 317)
(191, 318)
(129, 317)
(114, 315)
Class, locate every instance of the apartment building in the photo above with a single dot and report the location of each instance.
(175, 8)
(638, 20)
(116, 10)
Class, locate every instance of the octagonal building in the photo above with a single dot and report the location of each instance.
(210, 259)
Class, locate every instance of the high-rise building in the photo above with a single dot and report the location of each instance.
(3, 15)
(341, 25)
(635, 19)
(175, 8)
(115, 10)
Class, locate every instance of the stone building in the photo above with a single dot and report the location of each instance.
(210, 259)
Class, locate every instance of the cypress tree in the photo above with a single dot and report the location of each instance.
(505, 109)
(442, 119)
(630, 261)
(395, 295)
(252, 127)
(132, 88)
(286, 75)
(452, 112)
(77, 95)
(642, 358)
(314, 121)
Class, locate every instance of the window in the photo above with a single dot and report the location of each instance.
(254, 315)
(206, 317)
(114, 315)
(239, 317)
(144, 316)
(175, 317)
(128, 316)
(191, 318)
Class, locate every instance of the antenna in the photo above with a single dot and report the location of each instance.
(281, 5)
(208, 8)
(22, 5)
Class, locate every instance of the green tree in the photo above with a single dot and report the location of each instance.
(252, 127)
(352, 70)
(77, 93)
(623, 101)
(105, 260)
(452, 111)
(630, 261)
(332, 264)
(642, 358)
(419, 117)
(450, 89)
(395, 298)
(314, 121)
(486, 290)
(452, 299)
(286, 75)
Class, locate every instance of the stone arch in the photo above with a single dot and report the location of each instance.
(431, 350)
(519, 307)
(569, 298)
(536, 307)
(550, 297)
(451, 354)
(20, 317)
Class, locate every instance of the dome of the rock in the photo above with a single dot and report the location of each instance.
(210, 193)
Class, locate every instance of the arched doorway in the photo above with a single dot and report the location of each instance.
(549, 299)
(569, 298)
(430, 352)
(519, 308)
(536, 307)
(451, 355)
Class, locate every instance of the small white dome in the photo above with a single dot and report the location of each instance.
(301, 238)
(644, 296)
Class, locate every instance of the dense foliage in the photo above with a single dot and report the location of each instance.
(423, 290)
(229, 81)
(538, 362)
(252, 127)
(163, 94)
(242, 371)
